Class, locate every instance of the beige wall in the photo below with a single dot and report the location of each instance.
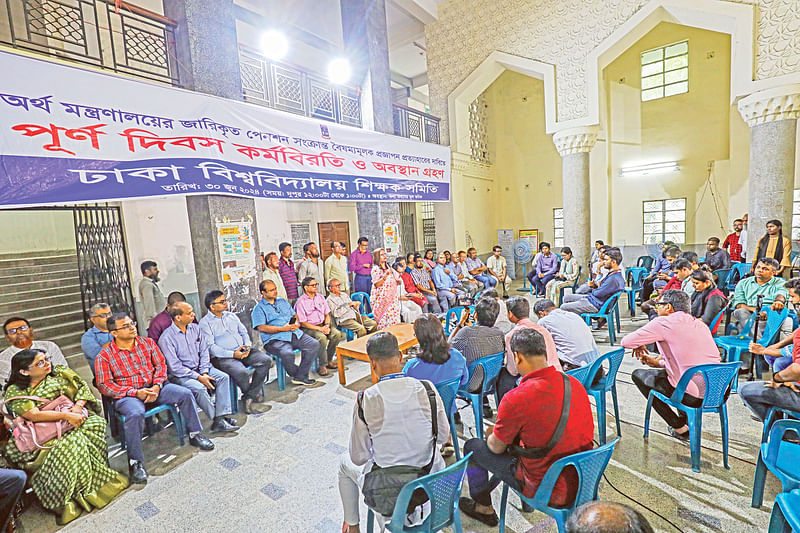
(36, 230)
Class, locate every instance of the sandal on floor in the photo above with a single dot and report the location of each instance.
(332, 366)
(467, 506)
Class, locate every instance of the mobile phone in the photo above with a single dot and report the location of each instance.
(293, 320)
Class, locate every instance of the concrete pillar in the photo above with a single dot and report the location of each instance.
(208, 55)
(366, 45)
(772, 116)
(574, 145)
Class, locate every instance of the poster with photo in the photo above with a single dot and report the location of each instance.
(236, 252)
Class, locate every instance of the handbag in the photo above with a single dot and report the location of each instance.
(538, 453)
(382, 486)
(29, 436)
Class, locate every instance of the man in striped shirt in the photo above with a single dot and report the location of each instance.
(133, 372)
(288, 275)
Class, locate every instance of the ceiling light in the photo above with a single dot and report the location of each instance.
(339, 71)
(653, 168)
(274, 45)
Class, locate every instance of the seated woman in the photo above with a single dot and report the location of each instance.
(409, 308)
(707, 300)
(71, 474)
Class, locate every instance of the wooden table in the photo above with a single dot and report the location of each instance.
(357, 348)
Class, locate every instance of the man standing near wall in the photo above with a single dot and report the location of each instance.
(361, 266)
(731, 243)
(150, 294)
(273, 273)
(336, 266)
(311, 266)
(288, 276)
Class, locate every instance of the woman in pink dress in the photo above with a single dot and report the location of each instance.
(384, 298)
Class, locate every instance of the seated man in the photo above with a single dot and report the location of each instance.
(232, 352)
(766, 283)
(185, 348)
(607, 517)
(396, 401)
(478, 270)
(448, 289)
(496, 265)
(19, 335)
(660, 273)
(681, 280)
(133, 372)
(458, 267)
(502, 323)
(519, 310)
(162, 320)
(529, 416)
(315, 320)
(611, 284)
(346, 312)
(546, 268)
(424, 284)
(683, 342)
(97, 337)
(274, 319)
(480, 340)
(12, 485)
(716, 257)
(573, 338)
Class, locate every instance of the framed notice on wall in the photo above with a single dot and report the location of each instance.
(532, 236)
(505, 239)
(236, 252)
(391, 239)
(301, 235)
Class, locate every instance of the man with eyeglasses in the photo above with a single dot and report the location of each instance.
(314, 316)
(97, 337)
(133, 372)
(19, 335)
(346, 311)
(232, 352)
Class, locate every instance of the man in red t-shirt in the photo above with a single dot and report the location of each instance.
(731, 242)
(528, 415)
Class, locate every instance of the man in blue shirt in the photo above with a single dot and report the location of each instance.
(608, 286)
(274, 318)
(97, 337)
(188, 364)
(231, 350)
(447, 287)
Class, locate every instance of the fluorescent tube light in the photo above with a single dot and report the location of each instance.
(653, 168)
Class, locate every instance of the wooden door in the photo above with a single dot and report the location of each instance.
(333, 231)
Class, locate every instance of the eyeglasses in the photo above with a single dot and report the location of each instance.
(131, 325)
(42, 362)
(220, 302)
(661, 304)
(103, 315)
(12, 331)
(313, 284)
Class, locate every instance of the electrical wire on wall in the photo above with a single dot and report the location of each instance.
(711, 187)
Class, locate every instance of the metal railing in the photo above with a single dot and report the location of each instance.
(132, 40)
(291, 89)
(409, 122)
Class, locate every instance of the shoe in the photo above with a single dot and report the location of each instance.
(487, 412)
(222, 425)
(138, 474)
(301, 381)
(467, 506)
(527, 508)
(202, 442)
(457, 417)
(232, 421)
(683, 437)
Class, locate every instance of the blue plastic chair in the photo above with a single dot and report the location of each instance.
(785, 513)
(722, 279)
(741, 270)
(780, 458)
(590, 465)
(452, 318)
(719, 378)
(734, 345)
(365, 308)
(281, 370)
(173, 412)
(443, 489)
(609, 313)
(491, 365)
(587, 374)
(574, 287)
(636, 275)
(645, 261)
(235, 392)
(447, 392)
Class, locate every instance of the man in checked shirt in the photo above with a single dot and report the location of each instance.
(133, 372)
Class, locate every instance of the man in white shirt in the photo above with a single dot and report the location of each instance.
(743, 238)
(497, 268)
(396, 428)
(574, 341)
(19, 335)
(311, 266)
(336, 266)
(271, 273)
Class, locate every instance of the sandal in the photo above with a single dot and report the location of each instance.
(332, 365)
(467, 506)
(323, 371)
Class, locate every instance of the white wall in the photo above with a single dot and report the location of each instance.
(36, 230)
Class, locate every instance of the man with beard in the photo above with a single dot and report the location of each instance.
(19, 335)
(150, 294)
(312, 267)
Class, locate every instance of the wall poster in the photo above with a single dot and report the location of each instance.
(236, 252)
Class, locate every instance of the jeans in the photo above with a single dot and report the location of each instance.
(327, 343)
(759, 398)
(433, 303)
(481, 463)
(778, 363)
(647, 379)
(220, 404)
(540, 284)
(237, 370)
(505, 382)
(447, 299)
(133, 408)
(487, 280)
(12, 483)
(362, 283)
(309, 349)
(577, 303)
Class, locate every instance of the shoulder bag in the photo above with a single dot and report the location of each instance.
(28, 435)
(538, 453)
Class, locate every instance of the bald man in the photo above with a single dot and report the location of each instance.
(607, 517)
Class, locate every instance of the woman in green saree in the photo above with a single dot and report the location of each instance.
(73, 474)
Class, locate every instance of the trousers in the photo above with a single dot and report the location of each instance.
(433, 303)
(487, 280)
(214, 402)
(447, 299)
(12, 483)
(327, 343)
(309, 348)
(647, 379)
(505, 382)
(237, 370)
(362, 283)
(540, 284)
(577, 303)
(133, 408)
(360, 328)
(483, 461)
(759, 398)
